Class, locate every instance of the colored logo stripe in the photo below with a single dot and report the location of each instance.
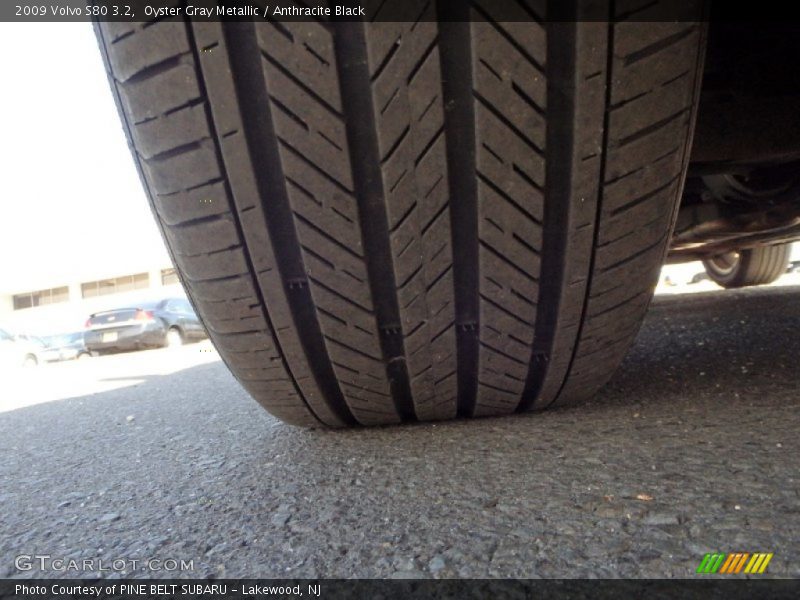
(734, 562)
(758, 563)
(710, 563)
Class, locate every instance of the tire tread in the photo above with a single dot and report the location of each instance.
(412, 220)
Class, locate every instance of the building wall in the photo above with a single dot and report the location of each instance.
(6, 304)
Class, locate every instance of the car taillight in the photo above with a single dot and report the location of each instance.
(144, 315)
(88, 324)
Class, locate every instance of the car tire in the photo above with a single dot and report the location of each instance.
(174, 338)
(30, 361)
(754, 266)
(413, 220)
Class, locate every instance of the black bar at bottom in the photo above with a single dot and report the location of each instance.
(466, 589)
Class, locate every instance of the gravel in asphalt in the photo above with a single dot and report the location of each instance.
(692, 448)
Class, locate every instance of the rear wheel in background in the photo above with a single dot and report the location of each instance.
(414, 220)
(754, 266)
(174, 338)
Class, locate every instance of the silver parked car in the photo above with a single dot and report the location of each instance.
(18, 351)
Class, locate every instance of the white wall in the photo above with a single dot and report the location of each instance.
(73, 208)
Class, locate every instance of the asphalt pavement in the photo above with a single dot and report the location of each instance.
(692, 448)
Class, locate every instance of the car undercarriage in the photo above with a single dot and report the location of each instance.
(742, 190)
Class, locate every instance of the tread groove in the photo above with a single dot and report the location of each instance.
(650, 129)
(253, 99)
(314, 166)
(647, 165)
(504, 310)
(350, 46)
(632, 257)
(644, 197)
(599, 200)
(503, 258)
(422, 60)
(509, 38)
(395, 145)
(154, 70)
(527, 99)
(327, 236)
(619, 305)
(438, 278)
(658, 46)
(455, 51)
(428, 146)
(299, 83)
(502, 194)
(386, 60)
(504, 119)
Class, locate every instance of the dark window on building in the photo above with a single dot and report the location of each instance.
(115, 285)
(41, 297)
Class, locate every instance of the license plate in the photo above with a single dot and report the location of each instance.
(110, 336)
